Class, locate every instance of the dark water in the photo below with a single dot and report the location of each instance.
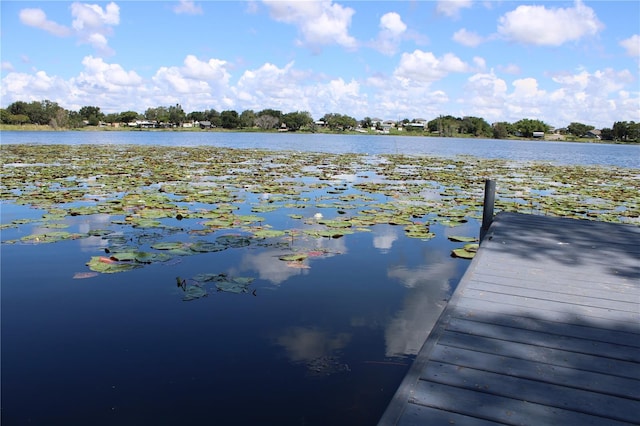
(554, 152)
(324, 345)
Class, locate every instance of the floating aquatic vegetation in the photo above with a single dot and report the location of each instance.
(51, 237)
(217, 189)
(107, 265)
(467, 252)
(462, 239)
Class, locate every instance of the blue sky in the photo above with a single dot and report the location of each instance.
(557, 61)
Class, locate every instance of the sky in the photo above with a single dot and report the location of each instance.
(555, 61)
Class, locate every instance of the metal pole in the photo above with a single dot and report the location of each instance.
(489, 200)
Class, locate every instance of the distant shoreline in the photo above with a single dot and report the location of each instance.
(46, 128)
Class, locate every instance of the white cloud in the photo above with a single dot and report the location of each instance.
(187, 7)
(486, 94)
(7, 66)
(391, 30)
(452, 8)
(423, 67)
(480, 62)
(632, 45)
(93, 24)
(320, 22)
(549, 27)
(33, 87)
(107, 76)
(467, 38)
(37, 18)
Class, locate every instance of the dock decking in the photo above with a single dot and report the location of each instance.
(543, 329)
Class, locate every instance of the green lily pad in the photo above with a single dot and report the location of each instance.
(467, 252)
(194, 292)
(268, 233)
(167, 245)
(109, 266)
(51, 237)
(462, 239)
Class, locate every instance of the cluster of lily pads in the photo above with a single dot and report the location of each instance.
(228, 198)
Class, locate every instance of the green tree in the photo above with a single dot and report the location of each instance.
(501, 130)
(579, 129)
(337, 121)
(475, 126)
(214, 117)
(296, 120)
(247, 118)
(229, 119)
(87, 112)
(177, 115)
(606, 134)
(526, 127)
(128, 116)
(366, 123)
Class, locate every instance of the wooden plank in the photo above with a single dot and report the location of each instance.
(584, 330)
(587, 380)
(533, 303)
(539, 312)
(532, 391)
(557, 285)
(544, 339)
(541, 354)
(420, 415)
(546, 294)
(499, 409)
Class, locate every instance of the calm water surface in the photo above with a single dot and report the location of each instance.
(555, 152)
(322, 345)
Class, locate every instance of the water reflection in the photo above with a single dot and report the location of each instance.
(384, 238)
(428, 288)
(317, 349)
(269, 267)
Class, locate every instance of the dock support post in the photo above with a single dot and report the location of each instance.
(487, 210)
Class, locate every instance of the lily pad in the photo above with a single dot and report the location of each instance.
(106, 265)
(462, 239)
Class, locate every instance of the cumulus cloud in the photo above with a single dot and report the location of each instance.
(98, 73)
(319, 22)
(6, 66)
(549, 27)
(486, 94)
(91, 24)
(38, 19)
(187, 7)
(391, 30)
(423, 67)
(452, 8)
(632, 45)
(204, 79)
(33, 87)
(467, 38)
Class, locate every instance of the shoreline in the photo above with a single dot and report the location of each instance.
(46, 128)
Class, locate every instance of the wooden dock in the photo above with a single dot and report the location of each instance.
(543, 329)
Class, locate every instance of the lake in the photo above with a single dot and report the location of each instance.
(556, 152)
(238, 332)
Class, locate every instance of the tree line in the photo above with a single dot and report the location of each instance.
(50, 113)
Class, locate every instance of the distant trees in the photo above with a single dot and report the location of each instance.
(91, 114)
(526, 127)
(50, 113)
(229, 119)
(337, 121)
(579, 129)
(502, 130)
(296, 120)
(268, 119)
